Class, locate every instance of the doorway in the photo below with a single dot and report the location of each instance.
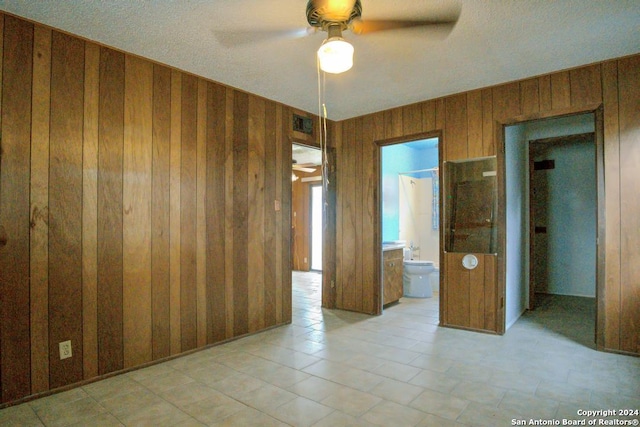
(306, 226)
(316, 227)
(552, 170)
(562, 216)
(410, 221)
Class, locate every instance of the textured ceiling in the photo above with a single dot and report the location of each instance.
(251, 44)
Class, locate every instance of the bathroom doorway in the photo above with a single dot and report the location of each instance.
(410, 223)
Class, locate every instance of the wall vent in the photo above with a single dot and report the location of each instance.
(303, 124)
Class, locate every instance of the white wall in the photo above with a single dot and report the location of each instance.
(571, 225)
(517, 212)
(517, 139)
(416, 212)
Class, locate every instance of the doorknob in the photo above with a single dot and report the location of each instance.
(3, 237)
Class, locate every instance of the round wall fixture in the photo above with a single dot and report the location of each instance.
(469, 261)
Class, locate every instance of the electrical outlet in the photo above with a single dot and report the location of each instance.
(65, 350)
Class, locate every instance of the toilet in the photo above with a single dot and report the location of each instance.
(416, 277)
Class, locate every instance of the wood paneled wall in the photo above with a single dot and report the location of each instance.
(138, 203)
(470, 123)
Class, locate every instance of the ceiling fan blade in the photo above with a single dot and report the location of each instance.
(303, 169)
(237, 38)
(442, 22)
(373, 26)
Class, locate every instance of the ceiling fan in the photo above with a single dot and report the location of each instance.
(336, 16)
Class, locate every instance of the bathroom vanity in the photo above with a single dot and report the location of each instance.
(392, 259)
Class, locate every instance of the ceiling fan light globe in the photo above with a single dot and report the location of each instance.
(335, 55)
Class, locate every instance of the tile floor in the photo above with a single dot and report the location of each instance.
(335, 368)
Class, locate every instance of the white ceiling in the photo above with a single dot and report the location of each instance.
(494, 41)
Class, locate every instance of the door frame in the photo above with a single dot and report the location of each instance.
(377, 244)
(598, 115)
(328, 296)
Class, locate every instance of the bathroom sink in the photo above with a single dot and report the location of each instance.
(393, 244)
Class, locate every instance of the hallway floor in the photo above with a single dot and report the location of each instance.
(335, 368)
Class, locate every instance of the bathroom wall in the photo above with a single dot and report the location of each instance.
(397, 159)
(416, 214)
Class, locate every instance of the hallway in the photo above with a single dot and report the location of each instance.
(336, 368)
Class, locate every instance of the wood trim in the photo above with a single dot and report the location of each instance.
(568, 111)
(629, 118)
(377, 141)
(609, 300)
